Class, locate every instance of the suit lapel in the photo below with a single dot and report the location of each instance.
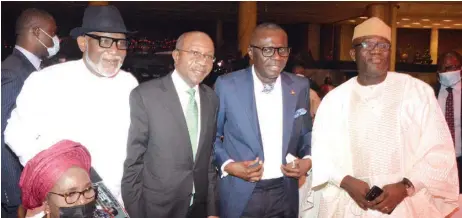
(205, 113)
(28, 64)
(246, 98)
(289, 101)
(171, 101)
(437, 88)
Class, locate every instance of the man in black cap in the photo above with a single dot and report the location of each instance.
(86, 100)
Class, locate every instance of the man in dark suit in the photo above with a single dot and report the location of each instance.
(34, 30)
(449, 94)
(168, 172)
(263, 125)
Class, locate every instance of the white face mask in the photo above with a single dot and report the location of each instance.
(100, 68)
(53, 50)
(450, 78)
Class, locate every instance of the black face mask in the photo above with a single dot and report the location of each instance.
(80, 211)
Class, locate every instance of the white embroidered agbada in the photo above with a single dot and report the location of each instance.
(381, 134)
(67, 101)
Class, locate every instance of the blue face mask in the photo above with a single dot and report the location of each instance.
(80, 211)
(450, 78)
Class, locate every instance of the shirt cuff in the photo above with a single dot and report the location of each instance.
(417, 186)
(337, 178)
(223, 172)
(307, 157)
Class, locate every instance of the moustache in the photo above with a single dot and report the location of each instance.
(111, 57)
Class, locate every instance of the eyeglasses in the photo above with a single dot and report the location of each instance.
(106, 42)
(369, 46)
(269, 51)
(199, 55)
(72, 197)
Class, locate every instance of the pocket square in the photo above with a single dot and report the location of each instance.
(299, 112)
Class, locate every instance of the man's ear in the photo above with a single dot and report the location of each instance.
(175, 55)
(82, 43)
(353, 54)
(35, 31)
(250, 53)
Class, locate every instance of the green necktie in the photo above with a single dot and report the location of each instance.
(191, 120)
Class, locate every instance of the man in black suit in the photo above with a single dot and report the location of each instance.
(35, 30)
(168, 172)
(449, 94)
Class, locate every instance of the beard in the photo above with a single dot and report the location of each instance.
(107, 65)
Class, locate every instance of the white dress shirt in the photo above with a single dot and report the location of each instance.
(34, 60)
(182, 89)
(269, 111)
(270, 119)
(456, 92)
(67, 101)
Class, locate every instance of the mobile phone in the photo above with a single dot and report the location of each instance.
(373, 193)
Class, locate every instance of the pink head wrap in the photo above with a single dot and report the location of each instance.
(42, 172)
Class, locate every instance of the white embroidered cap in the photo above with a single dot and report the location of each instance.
(372, 27)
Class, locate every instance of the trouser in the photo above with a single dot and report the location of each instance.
(197, 211)
(268, 200)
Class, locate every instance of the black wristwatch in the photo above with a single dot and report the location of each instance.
(409, 186)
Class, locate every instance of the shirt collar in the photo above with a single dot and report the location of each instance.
(34, 60)
(258, 84)
(180, 84)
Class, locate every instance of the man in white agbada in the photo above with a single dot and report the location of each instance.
(385, 129)
(86, 101)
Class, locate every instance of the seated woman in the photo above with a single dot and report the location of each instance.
(56, 182)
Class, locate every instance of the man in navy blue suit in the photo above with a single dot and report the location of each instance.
(35, 30)
(263, 136)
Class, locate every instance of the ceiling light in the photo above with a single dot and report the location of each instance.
(406, 26)
(405, 19)
(457, 24)
(364, 18)
(416, 23)
(447, 20)
(426, 26)
(352, 21)
(436, 24)
(446, 27)
(425, 19)
(397, 22)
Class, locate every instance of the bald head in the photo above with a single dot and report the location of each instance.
(31, 18)
(265, 27)
(35, 29)
(192, 36)
(194, 56)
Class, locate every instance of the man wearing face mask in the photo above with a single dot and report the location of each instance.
(448, 92)
(36, 40)
(382, 129)
(86, 100)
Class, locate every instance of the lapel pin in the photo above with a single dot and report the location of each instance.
(292, 92)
